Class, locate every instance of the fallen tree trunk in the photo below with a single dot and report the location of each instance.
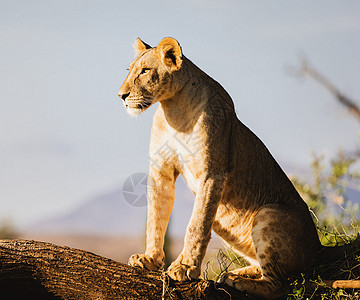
(38, 270)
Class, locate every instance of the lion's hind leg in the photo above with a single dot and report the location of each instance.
(285, 240)
(264, 288)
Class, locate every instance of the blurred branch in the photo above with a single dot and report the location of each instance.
(307, 70)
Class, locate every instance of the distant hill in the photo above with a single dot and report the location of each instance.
(111, 213)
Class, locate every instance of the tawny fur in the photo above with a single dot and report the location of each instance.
(241, 192)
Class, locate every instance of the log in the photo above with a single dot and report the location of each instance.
(39, 270)
(343, 284)
(336, 284)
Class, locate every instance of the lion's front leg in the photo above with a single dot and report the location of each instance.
(187, 265)
(160, 200)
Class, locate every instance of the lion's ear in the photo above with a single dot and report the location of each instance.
(170, 53)
(140, 46)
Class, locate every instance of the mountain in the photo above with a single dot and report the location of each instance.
(121, 211)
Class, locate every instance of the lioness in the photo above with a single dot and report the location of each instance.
(241, 191)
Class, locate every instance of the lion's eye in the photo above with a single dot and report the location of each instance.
(145, 71)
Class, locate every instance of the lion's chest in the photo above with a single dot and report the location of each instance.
(186, 149)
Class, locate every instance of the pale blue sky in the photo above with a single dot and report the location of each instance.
(65, 135)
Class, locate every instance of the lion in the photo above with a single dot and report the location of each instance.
(240, 190)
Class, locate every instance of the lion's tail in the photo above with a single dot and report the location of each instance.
(339, 262)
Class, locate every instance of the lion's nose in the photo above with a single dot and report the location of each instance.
(124, 96)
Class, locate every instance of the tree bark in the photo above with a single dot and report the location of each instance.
(38, 270)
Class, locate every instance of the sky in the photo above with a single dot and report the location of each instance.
(65, 135)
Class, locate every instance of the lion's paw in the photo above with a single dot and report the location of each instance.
(229, 278)
(144, 261)
(253, 272)
(181, 272)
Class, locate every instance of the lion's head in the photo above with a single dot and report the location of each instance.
(150, 77)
